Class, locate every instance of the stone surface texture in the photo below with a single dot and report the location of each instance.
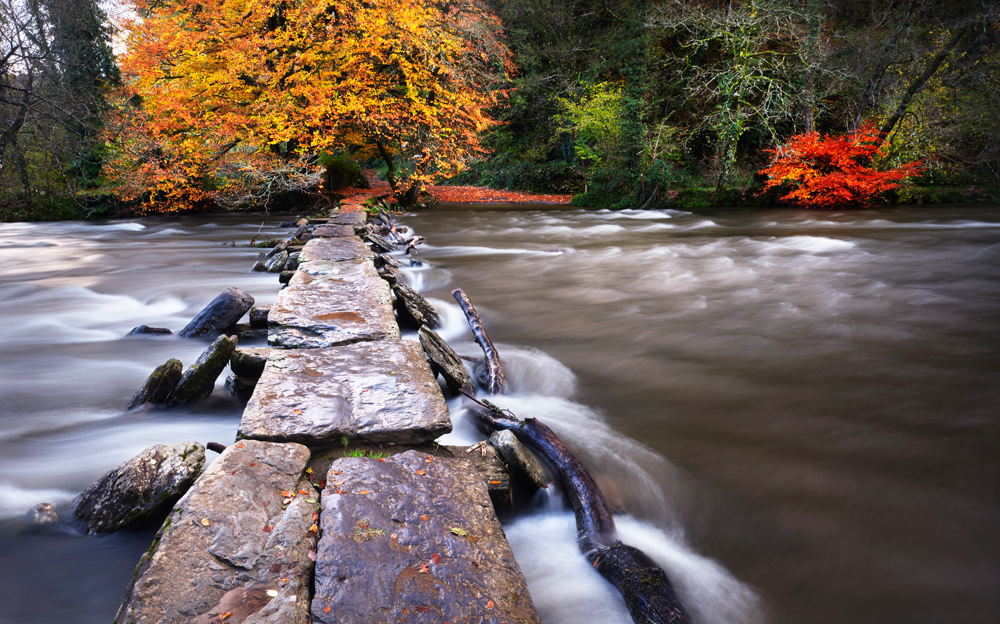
(237, 543)
(140, 490)
(158, 386)
(198, 380)
(334, 250)
(522, 464)
(444, 360)
(219, 315)
(331, 303)
(428, 523)
(371, 391)
(413, 309)
(333, 231)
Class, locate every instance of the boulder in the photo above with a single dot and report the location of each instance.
(293, 261)
(240, 386)
(140, 490)
(258, 317)
(367, 392)
(198, 380)
(219, 315)
(428, 523)
(44, 515)
(259, 267)
(276, 264)
(413, 309)
(147, 330)
(158, 386)
(249, 362)
(285, 277)
(444, 361)
(238, 543)
(521, 464)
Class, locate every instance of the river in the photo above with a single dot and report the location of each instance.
(795, 412)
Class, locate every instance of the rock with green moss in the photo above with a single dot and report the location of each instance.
(198, 380)
(140, 490)
(158, 386)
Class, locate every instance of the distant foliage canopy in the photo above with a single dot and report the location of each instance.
(835, 171)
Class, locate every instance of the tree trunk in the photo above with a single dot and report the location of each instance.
(497, 381)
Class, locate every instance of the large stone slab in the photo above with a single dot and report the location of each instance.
(238, 542)
(414, 539)
(335, 250)
(368, 392)
(354, 218)
(333, 231)
(331, 303)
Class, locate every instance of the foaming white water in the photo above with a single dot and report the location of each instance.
(816, 244)
(567, 589)
(707, 590)
(530, 371)
(475, 250)
(16, 501)
(76, 314)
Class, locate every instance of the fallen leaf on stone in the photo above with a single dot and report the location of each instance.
(240, 445)
(425, 517)
(364, 492)
(421, 472)
(436, 558)
(297, 411)
(310, 500)
(284, 579)
(381, 459)
(311, 554)
(424, 568)
(489, 605)
(429, 459)
(303, 492)
(314, 529)
(205, 522)
(272, 593)
(494, 483)
(268, 528)
(287, 494)
(335, 471)
(225, 615)
(423, 609)
(340, 492)
(326, 609)
(459, 531)
(266, 503)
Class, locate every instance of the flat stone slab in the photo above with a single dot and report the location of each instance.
(333, 231)
(352, 218)
(414, 538)
(348, 247)
(238, 542)
(331, 303)
(369, 392)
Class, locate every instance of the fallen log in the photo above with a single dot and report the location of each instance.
(497, 382)
(647, 591)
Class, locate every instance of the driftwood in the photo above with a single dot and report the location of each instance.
(497, 382)
(647, 591)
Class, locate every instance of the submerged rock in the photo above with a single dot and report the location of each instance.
(141, 489)
(198, 380)
(219, 315)
(258, 316)
(277, 263)
(142, 330)
(44, 515)
(158, 386)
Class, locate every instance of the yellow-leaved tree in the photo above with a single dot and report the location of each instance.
(230, 101)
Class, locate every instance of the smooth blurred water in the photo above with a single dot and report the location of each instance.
(808, 402)
(794, 413)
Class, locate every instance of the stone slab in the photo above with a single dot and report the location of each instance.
(353, 218)
(368, 392)
(414, 538)
(333, 231)
(331, 303)
(237, 542)
(335, 250)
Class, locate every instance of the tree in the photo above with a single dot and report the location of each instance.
(230, 94)
(834, 171)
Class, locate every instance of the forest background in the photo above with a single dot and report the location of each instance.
(638, 104)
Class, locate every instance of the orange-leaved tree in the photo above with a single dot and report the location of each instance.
(231, 100)
(835, 171)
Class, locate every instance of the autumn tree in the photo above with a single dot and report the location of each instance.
(835, 171)
(232, 100)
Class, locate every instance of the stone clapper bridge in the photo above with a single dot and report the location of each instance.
(283, 527)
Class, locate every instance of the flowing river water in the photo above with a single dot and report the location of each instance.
(795, 413)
